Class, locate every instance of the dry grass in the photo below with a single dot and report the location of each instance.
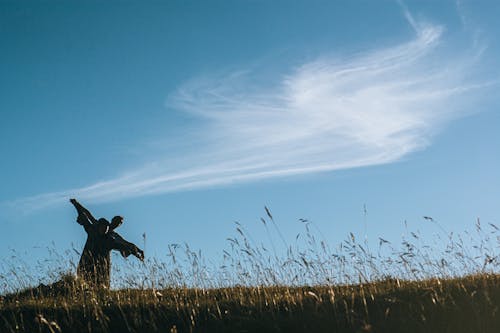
(451, 286)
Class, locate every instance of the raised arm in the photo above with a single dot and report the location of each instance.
(84, 218)
(125, 248)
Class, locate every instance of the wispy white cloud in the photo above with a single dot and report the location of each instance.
(328, 114)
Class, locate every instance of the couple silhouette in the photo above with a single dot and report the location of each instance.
(95, 263)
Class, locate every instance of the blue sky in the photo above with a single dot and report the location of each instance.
(187, 116)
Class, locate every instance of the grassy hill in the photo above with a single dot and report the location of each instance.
(449, 285)
(468, 304)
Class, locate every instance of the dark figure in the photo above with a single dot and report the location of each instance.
(95, 264)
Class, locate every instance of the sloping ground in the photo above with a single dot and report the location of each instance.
(469, 304)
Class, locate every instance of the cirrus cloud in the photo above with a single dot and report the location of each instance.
(328, 114)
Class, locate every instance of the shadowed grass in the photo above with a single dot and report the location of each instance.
(409, 287)
(469, 304)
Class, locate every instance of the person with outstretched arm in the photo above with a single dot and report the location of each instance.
(95, 263)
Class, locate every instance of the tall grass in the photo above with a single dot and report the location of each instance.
(451, 284)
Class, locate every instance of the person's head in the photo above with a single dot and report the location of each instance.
(102, 226)
(116, 222)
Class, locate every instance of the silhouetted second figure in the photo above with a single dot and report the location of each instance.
(95, 263)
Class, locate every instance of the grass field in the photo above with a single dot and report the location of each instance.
(469, 304)
(409, 287)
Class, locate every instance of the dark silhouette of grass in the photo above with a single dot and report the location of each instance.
(410, 287)
(468, 304)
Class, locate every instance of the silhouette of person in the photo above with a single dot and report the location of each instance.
(95, 263)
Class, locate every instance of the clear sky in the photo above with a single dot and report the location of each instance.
(185, 116)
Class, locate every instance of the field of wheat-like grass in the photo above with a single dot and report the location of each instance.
(451, 285)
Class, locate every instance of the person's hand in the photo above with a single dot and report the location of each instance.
(139, 254)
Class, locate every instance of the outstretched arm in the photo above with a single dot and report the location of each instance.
(125, 248)
(84, 218)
